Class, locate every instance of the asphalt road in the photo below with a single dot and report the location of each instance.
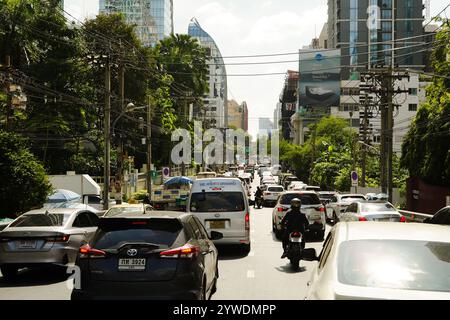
(260, 275)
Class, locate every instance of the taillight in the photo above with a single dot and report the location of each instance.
(87, 252)
(403, 219)
(247, 221)
(267, 193)
(61, 238)
(186, 251)
(296, 235)
(280, 209)
(320, 209)
(362, 219)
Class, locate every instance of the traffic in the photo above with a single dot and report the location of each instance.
(349, 246)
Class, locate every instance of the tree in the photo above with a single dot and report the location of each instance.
(23, 183)
(426, 147)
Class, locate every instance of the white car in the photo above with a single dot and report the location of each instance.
(268, 180)
(339, 203)
(272, 193)
(276, 170)
(311, 207)
(372, 211)
(312, 188)
(382, 260)
(297, 186)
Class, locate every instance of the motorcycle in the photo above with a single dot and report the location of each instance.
(295, 249)
(259, 202)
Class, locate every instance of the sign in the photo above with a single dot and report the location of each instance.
(354, 179)
(166, 172)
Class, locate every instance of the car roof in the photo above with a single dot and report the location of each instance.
(152, 215)
(300, 192)
(274, 185)
(350, 231)
(57, 210)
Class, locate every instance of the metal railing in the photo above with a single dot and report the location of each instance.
(415, 216)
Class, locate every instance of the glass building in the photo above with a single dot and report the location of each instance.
(216, 108)
(153, 18)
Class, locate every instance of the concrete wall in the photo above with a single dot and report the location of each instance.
(425, 198)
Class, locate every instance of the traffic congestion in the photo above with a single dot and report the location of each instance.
(350, 246)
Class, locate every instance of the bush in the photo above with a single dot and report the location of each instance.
(23, 180)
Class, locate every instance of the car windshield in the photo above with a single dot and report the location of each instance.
(119, 210)
(275, 189)
(41, 220)
(377, 207)
(307, 199)
(217, 202)
(395, 264)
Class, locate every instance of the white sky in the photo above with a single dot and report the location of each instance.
(248, 27)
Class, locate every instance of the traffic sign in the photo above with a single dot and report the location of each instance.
(354, 179)
(166, 172)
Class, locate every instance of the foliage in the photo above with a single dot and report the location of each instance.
(23, 184)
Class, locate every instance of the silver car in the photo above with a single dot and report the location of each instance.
(382, 260)
(339, 203)
(45, 236)
(372, 211)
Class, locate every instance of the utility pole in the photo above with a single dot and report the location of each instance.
(149, 148)
(365, 140)
(107, 135)
(120, 168)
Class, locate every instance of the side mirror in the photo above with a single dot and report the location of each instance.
(216, 235)
(310, 254)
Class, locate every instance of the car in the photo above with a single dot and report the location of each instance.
(270, 196)
(311, 206)
(129, 208)
(205, 175)
(222, 205)
(382, 260)
(45, 237)
(268, 180)
(275, 170)
(261, 171)
(372, 211)
(296, 186)
(440, 217)
(325, 196)
(339, 203)
(166, 255)
(288, 180)
(312, 188)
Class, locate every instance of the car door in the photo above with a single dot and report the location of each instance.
(211, 256)
(205, 255)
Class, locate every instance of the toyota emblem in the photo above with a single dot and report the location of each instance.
(132, 252)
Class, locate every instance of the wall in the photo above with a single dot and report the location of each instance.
(425, 198)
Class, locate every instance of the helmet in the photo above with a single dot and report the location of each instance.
(296, 203)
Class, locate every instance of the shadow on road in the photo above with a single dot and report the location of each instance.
(36, 277)
(288, 269)
(231, 253)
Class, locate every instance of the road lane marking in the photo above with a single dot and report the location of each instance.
(250, 274)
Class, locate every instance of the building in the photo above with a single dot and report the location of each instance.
(238, 115)
(287, 105)
(323, 38)
(265, 126)
(245, 120)
(153, 18)
(215, 103)
(401, 21)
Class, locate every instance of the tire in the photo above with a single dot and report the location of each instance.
(9, 272)
(295, 263)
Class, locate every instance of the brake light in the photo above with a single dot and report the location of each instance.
(267, 193)
(280, 209)
(403, 219)
(296, 235)
(62, 238)
(362, 219)
(247, 221)
(86, 251)
(186, 251)
(139, 223)
(320, 209)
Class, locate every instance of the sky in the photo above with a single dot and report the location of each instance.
(250, 27)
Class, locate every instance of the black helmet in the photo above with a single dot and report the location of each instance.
(296, 203)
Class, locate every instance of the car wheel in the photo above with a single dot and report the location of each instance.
(9, 272)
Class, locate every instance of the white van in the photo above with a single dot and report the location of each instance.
(222, 205)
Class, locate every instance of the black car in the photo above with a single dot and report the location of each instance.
(441, 217)
(165, 256)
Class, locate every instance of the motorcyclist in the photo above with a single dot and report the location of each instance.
(258, 194)
(294, 220)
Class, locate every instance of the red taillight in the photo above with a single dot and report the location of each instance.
(362, 219)
(139, 223)
(403, 219)
(280, 209)
(296, 235)
(62, 238)
(86, 251)
(320, 209)
(186, 251)
(267, 193)
(247, 221)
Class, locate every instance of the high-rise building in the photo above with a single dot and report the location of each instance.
(153, 18)
(399, 21)
(216, 107)
(238, 115)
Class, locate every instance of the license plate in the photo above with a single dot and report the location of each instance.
(27, 244)
(220, 224)
(132, 264)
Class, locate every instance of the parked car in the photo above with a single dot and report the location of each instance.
(129, 208)
(270, 196)
(45, 236)
(339, 204)
(440, 217)
(311, 206)
(372, 211)
(401, 261)
(162, 256)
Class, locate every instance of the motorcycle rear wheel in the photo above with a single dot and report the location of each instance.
(295, 263)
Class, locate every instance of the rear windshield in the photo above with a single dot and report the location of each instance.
(326, 195)
(307, 199)
(352, 198)
(377, 207)
(41, 220)
(395, 264)
(276, 189)
(114, 234)
(116, 211)
(217, 202)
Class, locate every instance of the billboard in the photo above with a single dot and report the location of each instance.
(320, 78)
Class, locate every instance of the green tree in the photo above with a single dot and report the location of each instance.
(23, 183)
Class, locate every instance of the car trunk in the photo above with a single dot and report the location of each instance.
(383, 217)
(31, 239)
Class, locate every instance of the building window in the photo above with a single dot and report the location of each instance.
(412, 107)
(413, 91)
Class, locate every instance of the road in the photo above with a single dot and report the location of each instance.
(261, 275)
